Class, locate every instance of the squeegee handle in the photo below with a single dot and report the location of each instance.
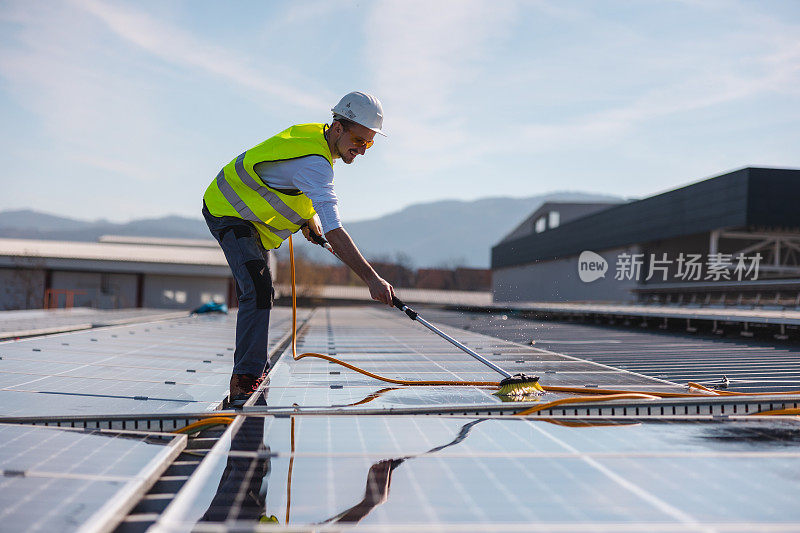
(460, 346)
(319, 239)
(413, 315)
(398, 303)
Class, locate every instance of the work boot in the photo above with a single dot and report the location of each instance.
(242, 387)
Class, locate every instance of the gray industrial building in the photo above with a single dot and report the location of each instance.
(733, 239)
(117, 272)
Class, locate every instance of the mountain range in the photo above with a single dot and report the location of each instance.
(445, 233)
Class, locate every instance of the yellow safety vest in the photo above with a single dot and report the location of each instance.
(238, 192)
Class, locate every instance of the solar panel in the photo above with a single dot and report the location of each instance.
(461, 472)
(55, 479)
(751, 366)
(388, 344)
(327, 448)
(180, 365)
(44, 321)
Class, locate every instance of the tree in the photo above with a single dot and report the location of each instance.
(27, 290)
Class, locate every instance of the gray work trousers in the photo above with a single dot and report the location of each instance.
(249, 264)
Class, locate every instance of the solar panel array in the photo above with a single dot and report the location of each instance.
(180, 365)
(751, 366)
(45, 321)
(348, 465)
(325, 447)
(58, 479)
(483, 474)
(389, 344)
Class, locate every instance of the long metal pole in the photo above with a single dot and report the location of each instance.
(457, 344)
(414, 316)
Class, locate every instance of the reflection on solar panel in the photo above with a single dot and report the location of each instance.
(326, 448)
(459, 473)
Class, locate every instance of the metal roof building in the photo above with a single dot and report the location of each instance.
(646, 243)
(113, 273)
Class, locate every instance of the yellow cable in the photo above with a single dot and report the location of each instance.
(589, 394)
(211, 421)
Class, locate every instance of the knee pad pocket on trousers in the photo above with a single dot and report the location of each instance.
(262, 285)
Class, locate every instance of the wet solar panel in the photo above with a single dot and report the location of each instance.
(388, 344)
(750, 366)
(483, 473)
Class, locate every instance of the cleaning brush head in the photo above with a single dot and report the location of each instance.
(520, 385)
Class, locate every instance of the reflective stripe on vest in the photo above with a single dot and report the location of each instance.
(245, 212)
(239, 192)
(272, 199)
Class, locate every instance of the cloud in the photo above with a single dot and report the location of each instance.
(422, 54)
(86, 105)
(697, 76)
(611, 125)
(123, 94)
(301, 12)
(105, 110)
(175, 45)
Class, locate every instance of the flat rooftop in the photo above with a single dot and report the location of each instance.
(87, 423)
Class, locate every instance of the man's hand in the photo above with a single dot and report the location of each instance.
(312, 225)
(380, 290)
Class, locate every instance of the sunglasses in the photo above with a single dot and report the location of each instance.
(361, 143)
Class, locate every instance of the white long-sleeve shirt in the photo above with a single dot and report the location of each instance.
(312, 175)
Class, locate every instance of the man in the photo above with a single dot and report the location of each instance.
(270, 192)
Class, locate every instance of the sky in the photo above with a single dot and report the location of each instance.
(126, 110)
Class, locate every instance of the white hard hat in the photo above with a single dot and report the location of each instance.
(361, 108)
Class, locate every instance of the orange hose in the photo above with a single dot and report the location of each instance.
(289, 475)
(693, 385)
(586, 399)
(793, 411)
(353, 367)
(593, 391)
(588, 423)
(373, 396)
(210, 421)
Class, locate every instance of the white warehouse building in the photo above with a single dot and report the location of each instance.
(117, 272)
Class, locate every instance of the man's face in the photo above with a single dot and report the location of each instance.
(353, 142)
